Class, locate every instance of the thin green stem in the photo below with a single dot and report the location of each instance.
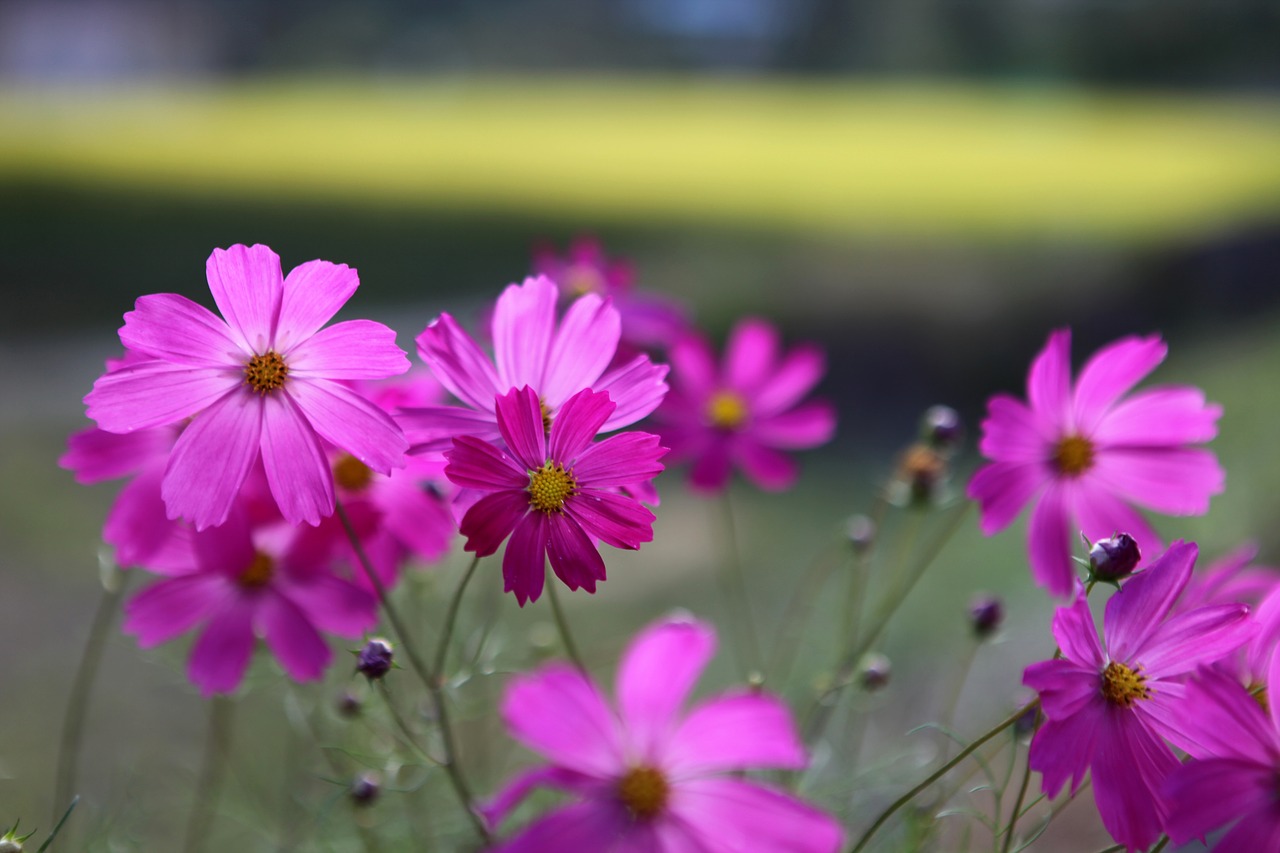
(939, 773)
(562, 625)
(735, 584)
(303, 717)
(428, 678)
(1017, 803)
(797, 611)
(213, 769)
(451, 616)
(1164, 842)
(77, 707)
(405, 732)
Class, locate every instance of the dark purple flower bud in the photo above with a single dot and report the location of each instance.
(365, 789)
(861, 532)
(875, 671)
(986, 612)
(941, 428)
(1026, 724)
(1114, 558)
(374, 660)
(348, 704)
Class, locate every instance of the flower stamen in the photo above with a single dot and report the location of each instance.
(550, 486)
(352, 474)
(1123, 686)
(727, 410)
(644, 791)
(1073, 455)
(259, 572)
(266, 373)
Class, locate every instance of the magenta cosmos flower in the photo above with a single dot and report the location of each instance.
(1110, 707)
(244, 582)
(554, 496)
(1083, 456)
(265, 382)
(530, 349)
(648, 778)
(1235, 778)
(746, 412)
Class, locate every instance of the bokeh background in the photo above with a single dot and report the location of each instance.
(925, 187)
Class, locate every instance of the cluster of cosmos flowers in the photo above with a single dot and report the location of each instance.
(284, 470)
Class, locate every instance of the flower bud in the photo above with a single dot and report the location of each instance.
(874, 672)
(861, 533)
(986, 612)
(348, 704)
(921, 477)
(1114, 558)
(365, 789)
(374, 660)
(941, 428)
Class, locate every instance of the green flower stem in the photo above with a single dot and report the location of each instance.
(562, 625)
(428, 678)
(1022, 794)
(451, 616)
(114, 584)
(939, 773)
(734, 580)
(213, 769)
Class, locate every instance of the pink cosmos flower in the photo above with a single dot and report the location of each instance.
(648, 778)
(554, 497)
(648, 321)
(243, 582)
(266, 382)
(1081, 457)
(1109, 707)
(746, 412)
(530, 349)
(1234, 780)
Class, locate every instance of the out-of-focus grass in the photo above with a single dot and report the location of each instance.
(833, 157)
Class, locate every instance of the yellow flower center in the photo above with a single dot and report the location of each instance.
(267, 372)
(351, 474)
(549, 486)
(259, 572)
(726, 410)
(1073, 455)
(581, 279)
(644, 791)
(1122, 685)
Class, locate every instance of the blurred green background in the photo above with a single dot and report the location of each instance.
(926, 188)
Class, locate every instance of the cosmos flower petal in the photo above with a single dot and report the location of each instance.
(1013, 433)
(733, 814)
(431, 429)
(1003, 489)
(1130, 765)
(1204, 635)
(572, 554)
(751, 354)
(477, 464)
(354, 349)
(1061, 749)
(797, 374)
(524, 563)
(1111, 372)
(172, 607)
(1135, 612)
(771, 470)
(1049, 382)
(1221, 719)
(335, 605)
(1159, 417)
(523, 323)
(655, 675)
(297, 468)
(221, 654)
(577, 424)
(140, 530)
(620, 460)
(313, 293)
(457, 361)
(96, 455)
(559, 714)
(637, 388)
(728, 732)
(712, 466)
(173, 328)
(248, 287)
(518, 789)
(807, 425)
(351, 423)
(155, 394)
(1257, 831)
(492, 519)
(1049, 542)
(1065, 686)
(211, 459)
(613, 519)
(1076, 635)
(584, 345)
(581, 826)
(1171, 480)
(520, 422)
(693, 367)
(292, 638)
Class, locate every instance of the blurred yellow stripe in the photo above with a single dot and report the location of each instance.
(838, 157)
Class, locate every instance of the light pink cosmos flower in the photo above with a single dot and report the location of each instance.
(244, 582)
(648, 778)
(266, 382)
(554, 496)
(649, 321)
(745, 412)
(1234, 780)
(530, 349)
(1082, 456)
(1110, 707)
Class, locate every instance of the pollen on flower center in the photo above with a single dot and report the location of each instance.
(1073, 455)
(546, 416)
(259, 572)
(267, 372)
(549, 486)
(644, 791)
(726, 410)
(351, 474)
(1122, 685)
